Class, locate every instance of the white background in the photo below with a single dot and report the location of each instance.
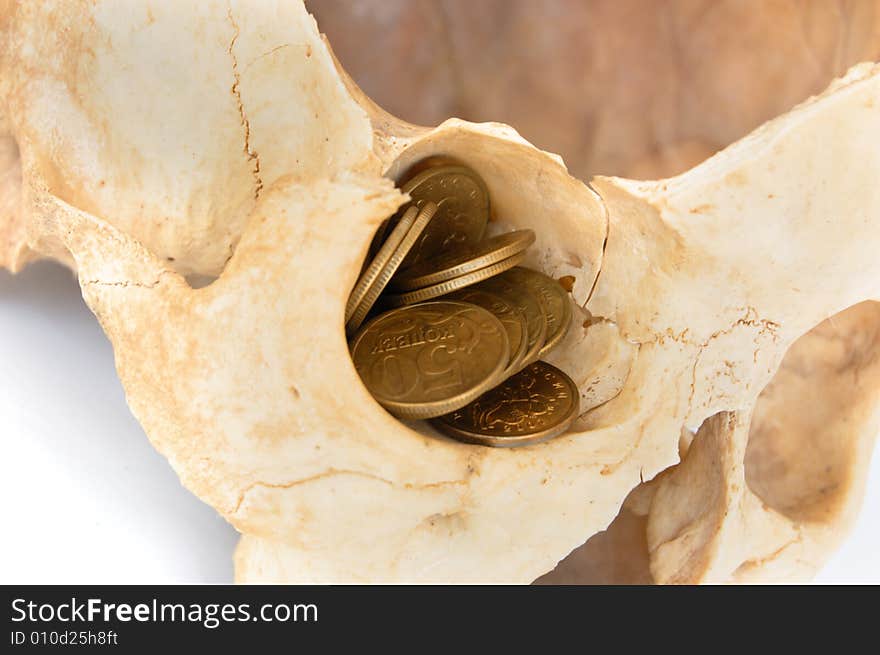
(88, 500)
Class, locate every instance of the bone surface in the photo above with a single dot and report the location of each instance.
(725, 333)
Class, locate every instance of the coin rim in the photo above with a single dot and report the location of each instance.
(522, 239)
(534, 354)
(557, 338)
(460, 282)
(378, 261)
(492, 441)
(422, 220)
(382, 233)
(425, 410)
(551, 340)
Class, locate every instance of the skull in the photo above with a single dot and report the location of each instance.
(214, 177)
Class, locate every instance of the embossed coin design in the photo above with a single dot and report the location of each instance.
(554, 301)
(465, 259)
(513, 320)
(463, 209)
(388, 265)
(529, 306)
(462, 281)
(426, 360)
(538, 403)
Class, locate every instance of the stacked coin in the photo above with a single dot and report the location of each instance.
(457, 327)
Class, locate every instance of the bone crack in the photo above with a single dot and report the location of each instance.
(750, 320)
(252, 155)
(124, 283)
(336, 472)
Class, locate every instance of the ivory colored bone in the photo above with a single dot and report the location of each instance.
(258, 161)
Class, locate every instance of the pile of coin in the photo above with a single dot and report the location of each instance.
(444, 325)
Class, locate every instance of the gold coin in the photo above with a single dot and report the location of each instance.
(426, 360)
(441, 289)
(538, 403)
(554, 301)
(462, 260)
(379, 258)
(513, 320)
(463, 209)
(528, 304)
(388, 265)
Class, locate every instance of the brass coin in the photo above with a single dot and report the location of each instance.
(554, 301)
(426, 360)
(462, 260)
(379, 258)
(441, 289)
(463, 209)
(538, 403)
(376, 281)
(528, 304)
(513, 320)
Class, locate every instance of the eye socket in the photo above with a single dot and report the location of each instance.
(809, 419)
(447, 323)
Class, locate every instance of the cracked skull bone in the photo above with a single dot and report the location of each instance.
(223, 140)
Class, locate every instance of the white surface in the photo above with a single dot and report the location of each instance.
(88, 500)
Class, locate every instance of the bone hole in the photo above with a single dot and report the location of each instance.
(9, 156)
(618, 555)
(10, 173)
(513, 207)
(808, 422)
(196, 281)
